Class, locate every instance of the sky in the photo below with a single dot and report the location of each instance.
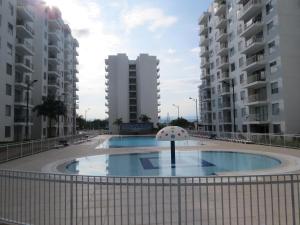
(167, 29)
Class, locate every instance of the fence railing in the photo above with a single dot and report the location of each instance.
(278, 140)
(18, 150)
(47, 199)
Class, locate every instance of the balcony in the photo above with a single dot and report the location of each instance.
(224, 63)
(204, 18)
(24, 11)
(24, 30)
(206, 97)
(221, 22)
(21, 100)
(204, 52)
(23, 65)
(23, 47)
(225, 120)
(21, 79)
(53, 60)
(258, 118)
(221, 8)
(255, 62)
(54, 36)
(224, 76)
(254, 44)
(53, 47)
(204, 40)
(257, 99)
(250, 9)
(204, 63)
(54, 24)
(225, 105)
(203, 30)
(76, 79)
(256, 80)
(223, 35)
(205, 74)
(223, 49)
(252, 27)
(53, 83)
(224, 91)
(21, 119)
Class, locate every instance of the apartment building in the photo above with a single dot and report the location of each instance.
(34, 50)
(249, 63)
(132, 89)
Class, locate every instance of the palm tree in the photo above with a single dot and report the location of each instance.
(50, 108)
(61, 110)
(118, 122)
(144, 118)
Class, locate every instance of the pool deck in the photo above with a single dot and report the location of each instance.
(50, 160)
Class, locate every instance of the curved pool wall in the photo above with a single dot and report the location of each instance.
(188, 163)
(142, 141)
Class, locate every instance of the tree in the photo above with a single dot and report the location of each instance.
(118, 122)
(181, 122)
(50, 108)
(144, 118)
(80, 121)
(61, 110)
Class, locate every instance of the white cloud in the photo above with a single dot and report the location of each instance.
(171, 51)
(195, 50)
(154, 18)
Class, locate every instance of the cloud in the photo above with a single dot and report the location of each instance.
(195, 50)
(154, 18)
(171, 51)
(172, 60)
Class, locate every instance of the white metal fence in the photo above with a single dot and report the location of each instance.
(289, 141)
(18, 150)
(36, 198)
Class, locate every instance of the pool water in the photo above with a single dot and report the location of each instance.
(188, 163)
(143, 141)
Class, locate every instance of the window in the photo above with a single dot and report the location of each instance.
(276, 128)
(7, 110)
(243, 95)
(213, 103)
(245, 129)
(271, 47)
(269, 7)
(7, 132)
(214, 116)
(275, 109)
(243, 112)
(274, 88)
(11, 9)
(240, 46)
(8, 69)
(270, 26)
(8, 90)
(273, 67)
(232, 67)
(10, 29)
(44, 132)
(45, 76)
(241, 61)
(242, 78)
(9, 49)
(231, 52)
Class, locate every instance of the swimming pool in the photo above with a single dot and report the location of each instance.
(188, 163)
(142, 141)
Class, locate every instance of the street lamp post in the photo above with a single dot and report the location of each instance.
(85, 112)
(177, 106)
(29, 85)
(196, 103)
(231, 84)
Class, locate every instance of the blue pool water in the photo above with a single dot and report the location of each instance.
(143, 141)
(188, 163)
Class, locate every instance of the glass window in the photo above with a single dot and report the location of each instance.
(243, 95)
(269, 7)
(232, 67)
(7, 110)
(275, 109)
(273, 67)
(271, 47)
(8, 69)
(9, 49)
(274, 88)
(8, 90)
(7, 132)
(276, 128)
(10, 29)
(242, 78)
(11, 9)
(243, 112)
(270, 26)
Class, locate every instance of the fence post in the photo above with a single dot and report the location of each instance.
(179, 200)
(293, 200)
(21, 149)
(6, 153)
(71, 201)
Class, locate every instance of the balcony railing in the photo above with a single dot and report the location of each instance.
(257, 97)
(252, 22)
(255, 59)
(26, 26)
(249, 4)
(259, 117)
(253, 40)
(256, 77)
(25, 43)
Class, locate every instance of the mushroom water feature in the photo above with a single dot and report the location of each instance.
(172, 134)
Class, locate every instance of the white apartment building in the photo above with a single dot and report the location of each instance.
(249, 59)
(132, 89)
(36, 46)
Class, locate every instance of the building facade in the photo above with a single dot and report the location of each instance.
(249, 59)
(132, 89)
(38, 59)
